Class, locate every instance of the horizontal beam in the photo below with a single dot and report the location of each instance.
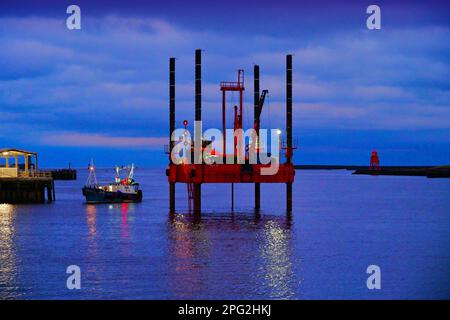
(229, 173)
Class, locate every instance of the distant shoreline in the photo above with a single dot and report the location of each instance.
(352, 167)
(425, 171)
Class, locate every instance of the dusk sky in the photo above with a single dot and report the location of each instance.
(102, 92)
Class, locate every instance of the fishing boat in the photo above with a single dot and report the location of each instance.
(121, 190)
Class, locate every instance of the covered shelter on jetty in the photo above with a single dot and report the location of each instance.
(13, 169)
(23, 182)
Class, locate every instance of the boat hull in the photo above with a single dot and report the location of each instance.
(95, 195)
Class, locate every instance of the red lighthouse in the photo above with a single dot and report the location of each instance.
(374, 161)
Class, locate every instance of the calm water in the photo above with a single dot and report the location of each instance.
(341, 224)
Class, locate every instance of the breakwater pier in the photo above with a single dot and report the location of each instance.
(63, 174)
(423, 171)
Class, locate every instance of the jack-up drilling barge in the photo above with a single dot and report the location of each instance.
(198, 173)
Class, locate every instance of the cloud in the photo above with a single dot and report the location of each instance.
(68, 139)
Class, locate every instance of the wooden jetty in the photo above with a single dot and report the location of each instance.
(63, 174)
(27, 190)
(24, 183)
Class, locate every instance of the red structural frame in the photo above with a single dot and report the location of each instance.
(228, 173)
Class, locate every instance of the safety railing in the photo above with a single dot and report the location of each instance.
(228, 84)
(33, 174)
(8, 172)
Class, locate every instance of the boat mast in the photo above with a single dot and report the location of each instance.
(117, 177)
(92, 179)
(131, 172)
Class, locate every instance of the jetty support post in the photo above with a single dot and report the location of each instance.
(255, 118)
(198, 117)
(49, 191)
(171, 126)
(289, 128)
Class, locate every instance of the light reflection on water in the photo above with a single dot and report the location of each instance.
(198, 244)
(277, 267)
(8, 258)
(189, 246)
(103, 244)
(91, 217)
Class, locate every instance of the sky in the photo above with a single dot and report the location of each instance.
(102, 92)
